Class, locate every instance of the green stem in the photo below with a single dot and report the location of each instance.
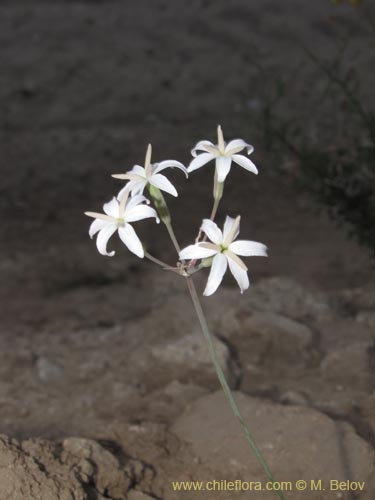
(169, 227)
(224, 383)
(163, 211)
(156, 261)
(214, 208)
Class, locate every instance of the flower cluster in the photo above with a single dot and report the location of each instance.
(131, 205)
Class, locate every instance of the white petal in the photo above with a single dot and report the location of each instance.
(138, 170)
(236, 146)
(229, 221)
(135, 187)
(131, 240)
(158, 167)
(136, 200)
(138, 187)
(222, 167)
(218, 268)
(96, 226)
(140, 212)
(112, 208)
(203, 146)
(240, 275)
(199, 161)
(248, 248)
(161, 182)
(236, 259)
(197, 252)
(212, 231)
(103, 237)
(245, 163)
(129, 176)
(127, 187)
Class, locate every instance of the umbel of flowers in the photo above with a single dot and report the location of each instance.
(213, 248)
(130, 206)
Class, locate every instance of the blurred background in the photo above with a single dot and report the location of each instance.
(87, 341)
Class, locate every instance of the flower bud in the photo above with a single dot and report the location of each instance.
(206, 262)
(159, 203)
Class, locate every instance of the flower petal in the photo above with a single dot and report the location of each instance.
(96, 226)
(212, 231)
(199, 161)
(228, 224)
(128, 187)
(218, 268)
(158, 167)
(245, 163)
(112, 208)
(161, 182)
(138, 170)
(222, 167)
(96, 215)
(138, 187)
(136, 200)
(128, 177)
(206, 146)
(103, 237)
(248, 248)
(240, 274)
(140, 212)
(236, 146)
(236, 259)
(197, 252)
(130, 239)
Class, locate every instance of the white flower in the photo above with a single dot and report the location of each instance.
(223, 153)
(225, 251)
(139, 176)
(117, 216)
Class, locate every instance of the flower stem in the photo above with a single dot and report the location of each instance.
(163, 211)
(169, 227)
(214, 208)
(224, 383)
(156, 261)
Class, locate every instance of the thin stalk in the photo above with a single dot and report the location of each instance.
(169, 227)
(214, 208)
(156, 261)
(224, 383)
(218, 194)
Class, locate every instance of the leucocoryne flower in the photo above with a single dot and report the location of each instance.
(225, 251)
(139, 177)
(117, 216)
(223, 154)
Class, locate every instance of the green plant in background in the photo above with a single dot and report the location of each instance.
(338, 170)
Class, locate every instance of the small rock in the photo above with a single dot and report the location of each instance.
(48, 370)
(108, 475)
(293, 398)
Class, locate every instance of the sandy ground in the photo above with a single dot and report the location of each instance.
(84, 87)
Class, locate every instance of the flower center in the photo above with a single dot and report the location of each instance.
(120, 222)
(223, 248)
